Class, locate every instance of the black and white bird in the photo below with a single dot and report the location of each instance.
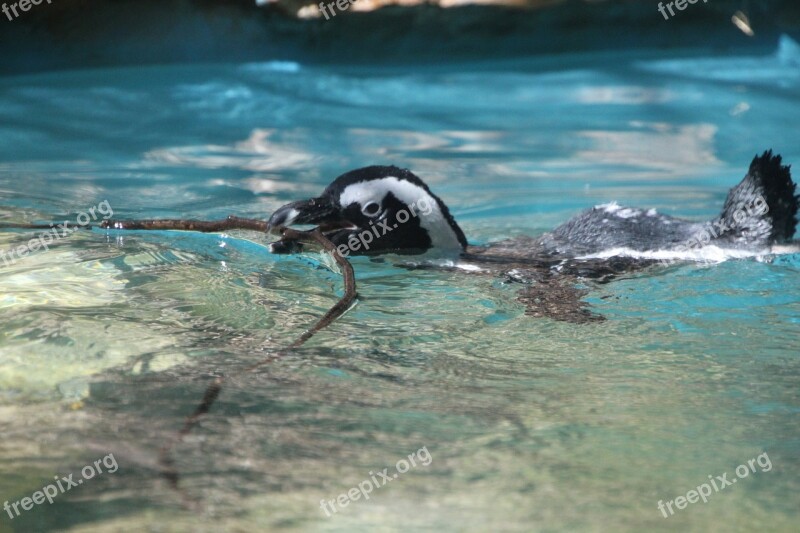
(381, 210)
(400, 215)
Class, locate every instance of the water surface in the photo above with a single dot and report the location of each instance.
(108, 340)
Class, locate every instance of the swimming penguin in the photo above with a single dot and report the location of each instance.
(385, 209)
(380, 210)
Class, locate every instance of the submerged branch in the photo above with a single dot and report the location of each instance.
(168, 470)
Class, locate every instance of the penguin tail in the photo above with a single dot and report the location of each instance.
(762, 209)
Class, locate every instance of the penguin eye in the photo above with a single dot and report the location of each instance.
(371, 209)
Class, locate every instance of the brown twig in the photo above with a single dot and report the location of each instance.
(205, 226)
(168, 469)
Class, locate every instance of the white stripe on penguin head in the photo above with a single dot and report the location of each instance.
(431, 218)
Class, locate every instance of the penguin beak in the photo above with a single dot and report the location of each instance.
(313, 211)
(319, 211)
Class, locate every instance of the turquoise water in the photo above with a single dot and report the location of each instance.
(108, 340)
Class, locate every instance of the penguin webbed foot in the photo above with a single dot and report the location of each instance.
(559, 301)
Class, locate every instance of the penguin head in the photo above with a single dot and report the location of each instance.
(377, 210)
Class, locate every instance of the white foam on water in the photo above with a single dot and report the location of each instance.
(705, 254)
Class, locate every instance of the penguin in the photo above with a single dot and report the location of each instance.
(383, 210)
(379, 210)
